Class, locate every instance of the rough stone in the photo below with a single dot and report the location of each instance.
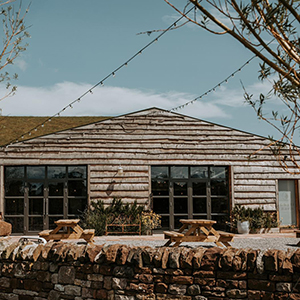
(270, 260)
(194, 290)
(161, 288)
(122, 255)
(66, 275)
(174, 258)
(119, 283)
(107, 282)
(236, 293)
(72, 290)
(262, 285)
(177, 289)
(284, 287)
(210, 259)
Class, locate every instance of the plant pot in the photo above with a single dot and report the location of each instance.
(243, 227)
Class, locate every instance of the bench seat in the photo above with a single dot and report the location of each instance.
(173, 234)
(45, 233)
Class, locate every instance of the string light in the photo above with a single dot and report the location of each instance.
(105, 78)
(214, 88)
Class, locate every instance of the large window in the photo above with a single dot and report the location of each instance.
(36, 196)
(199, 192)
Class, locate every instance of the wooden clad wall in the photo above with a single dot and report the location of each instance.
(154, 137)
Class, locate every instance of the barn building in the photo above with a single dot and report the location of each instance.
(179, 166)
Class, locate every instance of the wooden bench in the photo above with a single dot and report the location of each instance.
(45, 233)
(74, 231)
(123, 224)
(88, 235)
(297, 233)
(225, 238)
(173, 234)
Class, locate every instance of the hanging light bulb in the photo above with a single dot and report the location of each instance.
(113, 74)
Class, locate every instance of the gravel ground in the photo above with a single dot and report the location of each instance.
(259, 241)
(262, 242)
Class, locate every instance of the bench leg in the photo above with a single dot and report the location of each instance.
(167, 244)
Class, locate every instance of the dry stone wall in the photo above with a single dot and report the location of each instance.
(71, 271)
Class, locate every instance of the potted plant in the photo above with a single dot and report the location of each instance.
(150, 220)
(241, 219)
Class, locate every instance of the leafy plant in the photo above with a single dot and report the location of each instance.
(257, 218)
(150, 221)
(97, 215)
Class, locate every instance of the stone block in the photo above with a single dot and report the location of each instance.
(210, 259)
(270, 259)
(177, 289)
(182, 279)
(237, 294)
(72, 290)
(119, 283)
(262, 285)
(66, 275)
(174, 256)
(284, 286)
(161, 288)
(194, 290)
(260, 295)
(145, 278)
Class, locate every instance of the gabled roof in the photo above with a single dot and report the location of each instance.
(12, 128)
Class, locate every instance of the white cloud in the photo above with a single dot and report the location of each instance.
(105, 101)
(21, 64)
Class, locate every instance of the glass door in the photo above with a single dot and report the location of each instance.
(190, 192)
(287, 202)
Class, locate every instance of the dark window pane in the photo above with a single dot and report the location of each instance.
(221, 222)
(55, 172)
(77, 188)
(180, 188)
(219, 187)
(160, 187)
(17, 224)
(199, 205)
(77, 172)
(161, 205)
(14, 188)
(218, 172)
(200, 217)
(179, 172)
(199, 172)
(55, 206)
(36, 206)
(180, 205)
(36, 224)
(177, 223)
(165, 222)
(199, 188)
(219, 205)
(14, 206)
(36, 188)
(14, 172)
(52, 225)
(56, 189)
(36, 172)
(158, 172)
(76, 206)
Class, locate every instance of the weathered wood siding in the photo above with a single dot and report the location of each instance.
(154, 137)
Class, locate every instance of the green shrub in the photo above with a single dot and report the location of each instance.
(257, 218)
(97, 215)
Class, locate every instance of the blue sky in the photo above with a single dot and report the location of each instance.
(75, 44)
